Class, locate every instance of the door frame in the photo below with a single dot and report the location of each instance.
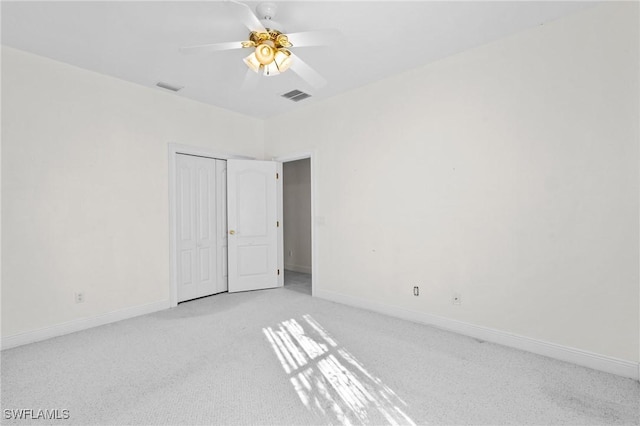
(173, 150)
(314, 223)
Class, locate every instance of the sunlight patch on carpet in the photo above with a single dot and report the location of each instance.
(328, 379)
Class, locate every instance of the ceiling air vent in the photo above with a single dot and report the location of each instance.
(168, 86)
(296, 95)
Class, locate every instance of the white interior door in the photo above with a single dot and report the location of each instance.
(252, 208)
(197, 227)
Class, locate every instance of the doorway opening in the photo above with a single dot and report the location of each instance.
(297, 220)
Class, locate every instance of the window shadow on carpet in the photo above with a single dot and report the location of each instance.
(329, 380)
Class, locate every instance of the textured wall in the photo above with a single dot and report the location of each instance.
(85, 187)
(507, 173)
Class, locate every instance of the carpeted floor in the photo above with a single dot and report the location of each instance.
(282, 357)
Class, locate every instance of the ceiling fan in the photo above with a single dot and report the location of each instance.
(271, 54)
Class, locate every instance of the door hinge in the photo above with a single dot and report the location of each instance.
(277, 224)
(277, 175)
(278, 271)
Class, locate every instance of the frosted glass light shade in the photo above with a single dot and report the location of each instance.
(282, 59)
(252, 62)
(265, 53)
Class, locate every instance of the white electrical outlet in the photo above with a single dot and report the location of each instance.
(79, 297)
(456, 299)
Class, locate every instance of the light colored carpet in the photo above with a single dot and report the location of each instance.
(281, 357)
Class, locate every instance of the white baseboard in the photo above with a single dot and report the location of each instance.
(552, 350)
(297, 268)
(81, 324)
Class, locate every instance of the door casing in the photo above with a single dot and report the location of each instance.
(315, 281)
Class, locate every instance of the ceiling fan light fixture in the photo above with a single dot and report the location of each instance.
(265, 52)
(282, 59)
(283, 41)
(269, 44)
(252, 62)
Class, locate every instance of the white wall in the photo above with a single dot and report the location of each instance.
(508, 173)
(85, 187)
(297, 215)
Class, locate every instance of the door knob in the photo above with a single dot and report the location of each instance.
(232, 232)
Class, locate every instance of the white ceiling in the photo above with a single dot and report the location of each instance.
(139, 41)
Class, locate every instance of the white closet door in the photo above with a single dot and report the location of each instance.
(197, 227)
(252, 206)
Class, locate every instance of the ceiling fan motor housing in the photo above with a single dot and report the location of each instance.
(266, 12)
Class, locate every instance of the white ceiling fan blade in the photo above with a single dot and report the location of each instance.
(244, 14)
(305, 72)
(214, 47)
(251, 79)
(314, 38)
